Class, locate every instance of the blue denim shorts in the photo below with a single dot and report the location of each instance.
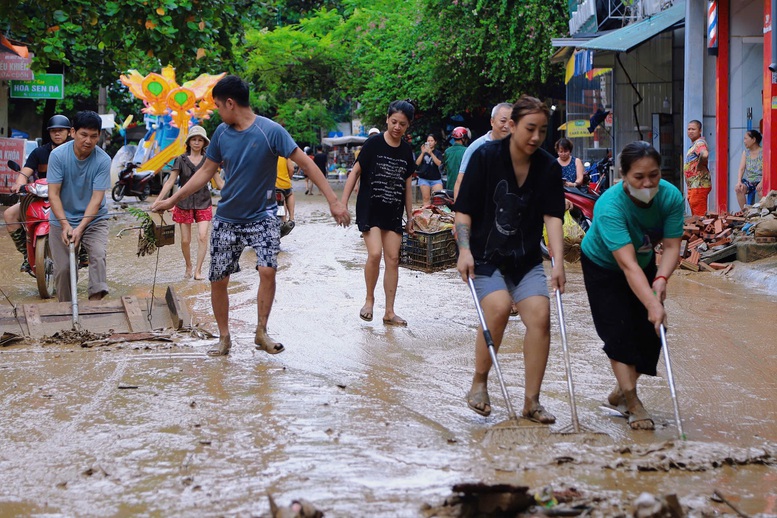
(430, 183)
(534, 283)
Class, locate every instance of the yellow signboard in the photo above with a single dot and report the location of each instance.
(576, 128)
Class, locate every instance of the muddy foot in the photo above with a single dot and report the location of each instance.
(188, 273)
(396, 320)
(617, 400)
(265, 343)
(478, 400)
(222, 347)
(538, 414)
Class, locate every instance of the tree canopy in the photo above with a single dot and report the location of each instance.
(310, 62)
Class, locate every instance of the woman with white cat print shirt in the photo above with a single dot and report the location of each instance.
(510, 189)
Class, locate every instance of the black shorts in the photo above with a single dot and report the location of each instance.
(620, 318)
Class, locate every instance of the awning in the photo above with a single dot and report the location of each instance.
(625, 39)
(7, 46)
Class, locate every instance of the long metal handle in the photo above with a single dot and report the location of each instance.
(491, 349)
(73, 283)
(567, 362)
(670, 377)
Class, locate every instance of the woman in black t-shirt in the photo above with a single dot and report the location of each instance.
(385, 165)
(511, 187)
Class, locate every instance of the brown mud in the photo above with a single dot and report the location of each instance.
(362, 419)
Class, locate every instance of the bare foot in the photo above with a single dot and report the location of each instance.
(188, 274)
(199, 276)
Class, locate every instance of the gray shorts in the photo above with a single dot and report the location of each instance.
(532, 284)
(228, 240)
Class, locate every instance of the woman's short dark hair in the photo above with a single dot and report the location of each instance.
(564, 143)
(755, 134)
(432, 135)
(637, 150)
(405, 107)
(526, 105)
(232, 87)
(87, 119)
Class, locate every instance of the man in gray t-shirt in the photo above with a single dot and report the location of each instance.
(247, 146)
(78, 175)
(500, 128)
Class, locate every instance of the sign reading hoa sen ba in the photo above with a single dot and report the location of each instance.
(44, 86)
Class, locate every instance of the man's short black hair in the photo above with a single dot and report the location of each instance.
(232, 87)
(319, 148)
(87, 119)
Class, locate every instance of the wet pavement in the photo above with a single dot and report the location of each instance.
(367, 420)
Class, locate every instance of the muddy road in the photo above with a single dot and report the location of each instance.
(367, 420)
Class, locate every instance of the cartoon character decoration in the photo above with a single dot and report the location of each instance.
(170, 109)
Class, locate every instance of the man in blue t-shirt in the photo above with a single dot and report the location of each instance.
(79, 173)
(247, 147)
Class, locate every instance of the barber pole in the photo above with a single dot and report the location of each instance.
(712, 28)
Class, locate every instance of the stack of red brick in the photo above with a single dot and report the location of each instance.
(707, 239)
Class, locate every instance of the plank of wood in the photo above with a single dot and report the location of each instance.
(178, 312)
(32, 316)
(134, 314)
(716, 255)
(84, 308)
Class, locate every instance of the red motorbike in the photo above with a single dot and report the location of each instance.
(35, 208)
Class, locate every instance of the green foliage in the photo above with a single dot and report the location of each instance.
(94, 42)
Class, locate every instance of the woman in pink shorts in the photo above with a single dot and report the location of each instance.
(196, 208)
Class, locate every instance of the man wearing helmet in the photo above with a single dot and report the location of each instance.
(34, 168)
(454, 154)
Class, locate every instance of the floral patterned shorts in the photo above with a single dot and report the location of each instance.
(189, 216)
(228, 240)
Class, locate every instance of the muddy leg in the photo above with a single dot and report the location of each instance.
(535, 314)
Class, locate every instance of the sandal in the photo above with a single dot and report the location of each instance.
(365, 313)
(395, 321)
(479, 398)
(641, 420)
(222, 347)
(265, 343)
(540, 415)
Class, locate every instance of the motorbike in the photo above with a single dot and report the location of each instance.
(286, 225)
(598, 175)
(131, 183)
(35, 208)
(443, 198)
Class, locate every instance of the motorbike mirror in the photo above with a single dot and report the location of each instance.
(14, 166)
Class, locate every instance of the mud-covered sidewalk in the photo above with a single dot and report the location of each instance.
(366, 420)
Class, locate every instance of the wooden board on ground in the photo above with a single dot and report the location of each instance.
(123, 315)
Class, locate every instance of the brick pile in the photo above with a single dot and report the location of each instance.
(706, 240)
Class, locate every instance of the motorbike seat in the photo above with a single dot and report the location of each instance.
(579, 192)
(142, 175)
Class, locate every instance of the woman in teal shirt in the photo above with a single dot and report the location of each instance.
(626, 290)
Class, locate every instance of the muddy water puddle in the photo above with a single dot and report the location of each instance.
(365, 420)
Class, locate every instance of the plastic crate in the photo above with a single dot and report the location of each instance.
(429, 251)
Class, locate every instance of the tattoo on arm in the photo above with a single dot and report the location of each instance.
(462, 235)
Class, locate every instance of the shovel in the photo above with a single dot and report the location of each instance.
(73, 288)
